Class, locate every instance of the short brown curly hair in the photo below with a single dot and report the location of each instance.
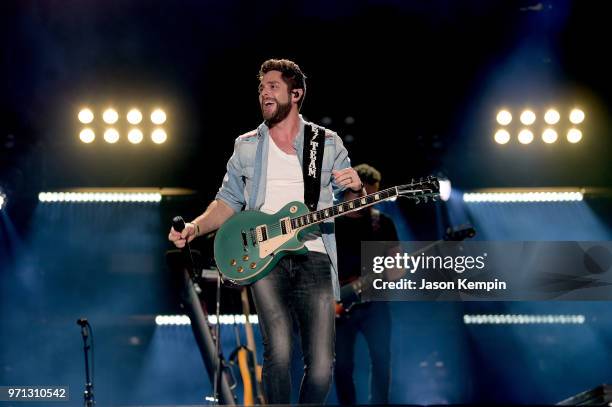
(290, 72)
(368, 174)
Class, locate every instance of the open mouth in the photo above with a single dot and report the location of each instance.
(268, 103)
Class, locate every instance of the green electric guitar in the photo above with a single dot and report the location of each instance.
(250, 243)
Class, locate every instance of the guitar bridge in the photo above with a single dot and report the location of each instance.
(253, 236)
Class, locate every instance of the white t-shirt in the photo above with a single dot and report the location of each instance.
(284, 184)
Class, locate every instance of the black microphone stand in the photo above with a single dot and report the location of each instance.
(88, 394)
(221, 388)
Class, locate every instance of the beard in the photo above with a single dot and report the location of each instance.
(278, 115)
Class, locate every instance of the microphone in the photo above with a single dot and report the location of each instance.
(178, 224)
(82, 322)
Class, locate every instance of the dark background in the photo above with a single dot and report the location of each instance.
(423, 82)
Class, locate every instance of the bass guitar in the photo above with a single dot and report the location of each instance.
(250, 243)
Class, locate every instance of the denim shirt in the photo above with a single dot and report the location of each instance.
(244, 183)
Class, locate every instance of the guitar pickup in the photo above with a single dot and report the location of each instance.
(262, 233)
(285, 225)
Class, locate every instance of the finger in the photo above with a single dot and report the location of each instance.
(180, 243)
(187, 231)
(342, 175)
(338, 173)
(345, 179)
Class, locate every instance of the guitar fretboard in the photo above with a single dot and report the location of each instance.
(342, 208)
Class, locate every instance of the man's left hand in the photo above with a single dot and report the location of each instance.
(348, 178)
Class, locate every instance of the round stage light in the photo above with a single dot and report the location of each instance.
(159, 136)
(158, 116)
(504, 117)
(574, 135)
(111, 136)
(525, 136)
(110, 116)
(549, 136)
(552, 116)
(134, 116)
(502, 136)
(528, 117)
(2, 200)
(86, 116)
(87, 135)
(135, 136)
(576, 116)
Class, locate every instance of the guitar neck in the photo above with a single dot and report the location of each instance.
(343, 208)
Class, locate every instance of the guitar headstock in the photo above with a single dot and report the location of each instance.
(421, 189)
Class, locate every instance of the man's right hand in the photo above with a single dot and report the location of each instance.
(180, 239)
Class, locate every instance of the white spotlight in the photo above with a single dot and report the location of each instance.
(574, 135)
(2, 200)
(134, 116)
(445, 189)
(502, 136)
(154, 197)
(159, 136)
(135, 136)
(528, 117)
(158, 116)
(532, 196)
(552, 116)
(525, 136)
(87, 135)
(576, 116)
(504, 117)
(110, 116)
(111, 136)
(86, 116)
(549, 136)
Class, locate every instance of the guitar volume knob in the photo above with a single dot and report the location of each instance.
(245, 257)
(240, 269)
(253, 265)
(233, 262)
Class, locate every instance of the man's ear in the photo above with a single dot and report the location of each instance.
(297, 94)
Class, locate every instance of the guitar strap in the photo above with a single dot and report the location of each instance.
(312, 161)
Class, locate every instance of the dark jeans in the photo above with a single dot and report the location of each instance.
(298, 289)
(373, 320)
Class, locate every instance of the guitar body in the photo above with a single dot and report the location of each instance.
(243, 257)
(250, 243)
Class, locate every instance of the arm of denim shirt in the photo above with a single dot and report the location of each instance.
(341, 162)
(232, 188)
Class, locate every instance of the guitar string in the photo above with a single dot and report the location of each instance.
(276, 227)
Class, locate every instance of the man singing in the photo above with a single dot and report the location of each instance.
(270, 167)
